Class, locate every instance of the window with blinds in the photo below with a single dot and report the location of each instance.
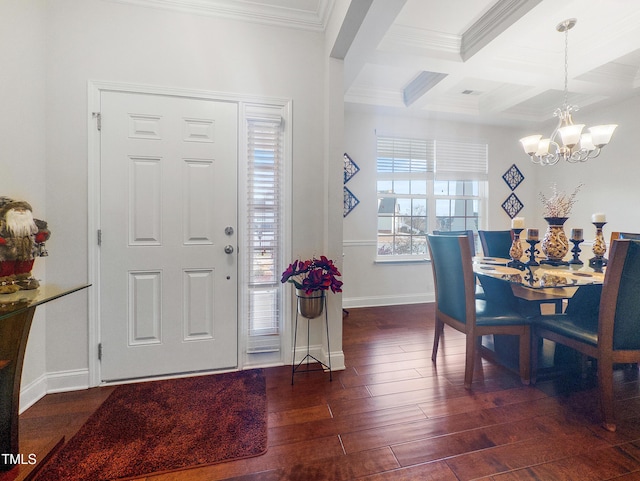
(426, 185)
(263, 233)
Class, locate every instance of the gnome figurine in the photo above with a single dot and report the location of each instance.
(22, 239)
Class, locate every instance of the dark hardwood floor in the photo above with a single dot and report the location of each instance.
(394, 415)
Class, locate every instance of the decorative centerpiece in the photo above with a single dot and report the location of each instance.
(311, 279)
(532, 240)
(577, 238)
(557, 208)
(515, 252)
(599, 245)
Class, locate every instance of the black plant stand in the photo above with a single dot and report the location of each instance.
(309, 357)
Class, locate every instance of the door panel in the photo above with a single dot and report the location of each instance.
(168, 289)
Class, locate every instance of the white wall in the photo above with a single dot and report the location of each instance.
(610, 186)
(66, 43)
(22, 142)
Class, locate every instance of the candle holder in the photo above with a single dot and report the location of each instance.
(576, 252)
(515, 252)
(599, 247)
(532, 253)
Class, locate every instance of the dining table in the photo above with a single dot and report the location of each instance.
(540, 288)
(539, 281)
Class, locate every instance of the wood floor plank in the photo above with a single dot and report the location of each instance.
(437, 471)
(355, 379)
(489, 436)
(297, 416)
(481, 400)
(500, 459)
(606, 463)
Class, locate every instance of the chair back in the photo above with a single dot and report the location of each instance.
(623, 235)
(584, 306)
(453, 276)
(468, 233)
(495, 243)
(619, 318)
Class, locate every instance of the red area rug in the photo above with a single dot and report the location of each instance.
(167, 425)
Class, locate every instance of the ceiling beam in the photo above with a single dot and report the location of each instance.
(378, 19)
(419, 86)
(499, 17)
(348, 30)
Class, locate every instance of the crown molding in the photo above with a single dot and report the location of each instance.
(247, 11)
(402, 36)
(499, 17)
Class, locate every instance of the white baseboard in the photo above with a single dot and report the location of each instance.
(337, 357)
(61, 381)
(375, 301)
(32, 392)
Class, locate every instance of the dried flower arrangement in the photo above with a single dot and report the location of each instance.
(559, 204)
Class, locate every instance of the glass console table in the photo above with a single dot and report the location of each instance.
(16, 315)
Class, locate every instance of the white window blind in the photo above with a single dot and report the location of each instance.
(264, 232)
(404, 155)
(461, 160)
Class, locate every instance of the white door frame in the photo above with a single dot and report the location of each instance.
(94, 203)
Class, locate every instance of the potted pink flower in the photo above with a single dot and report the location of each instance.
(311, 279)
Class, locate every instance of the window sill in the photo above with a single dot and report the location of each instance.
(422, 260)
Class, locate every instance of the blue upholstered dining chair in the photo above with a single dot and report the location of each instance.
(623, 235)
(495, 243)
(468, 233)
(472, 245)
(457, 306)
(614, 335)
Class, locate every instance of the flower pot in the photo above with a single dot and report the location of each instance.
(310, 305)
(555, 244)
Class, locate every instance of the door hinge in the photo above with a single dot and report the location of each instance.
(98, 117)
(99, 237)
(100, 352)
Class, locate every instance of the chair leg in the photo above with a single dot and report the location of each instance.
(535, 341)
(605, 385)
(436, 339)
(470, 355)
(525, 356)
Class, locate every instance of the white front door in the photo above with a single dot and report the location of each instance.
(168, 260)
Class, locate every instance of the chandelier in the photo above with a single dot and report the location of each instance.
(572, 145)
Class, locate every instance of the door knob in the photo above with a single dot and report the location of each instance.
(228, 249)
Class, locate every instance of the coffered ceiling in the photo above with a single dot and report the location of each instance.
(490, 61)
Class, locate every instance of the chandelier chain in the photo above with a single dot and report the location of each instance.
(566, 67)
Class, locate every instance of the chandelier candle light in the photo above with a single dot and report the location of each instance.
(574, 145)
